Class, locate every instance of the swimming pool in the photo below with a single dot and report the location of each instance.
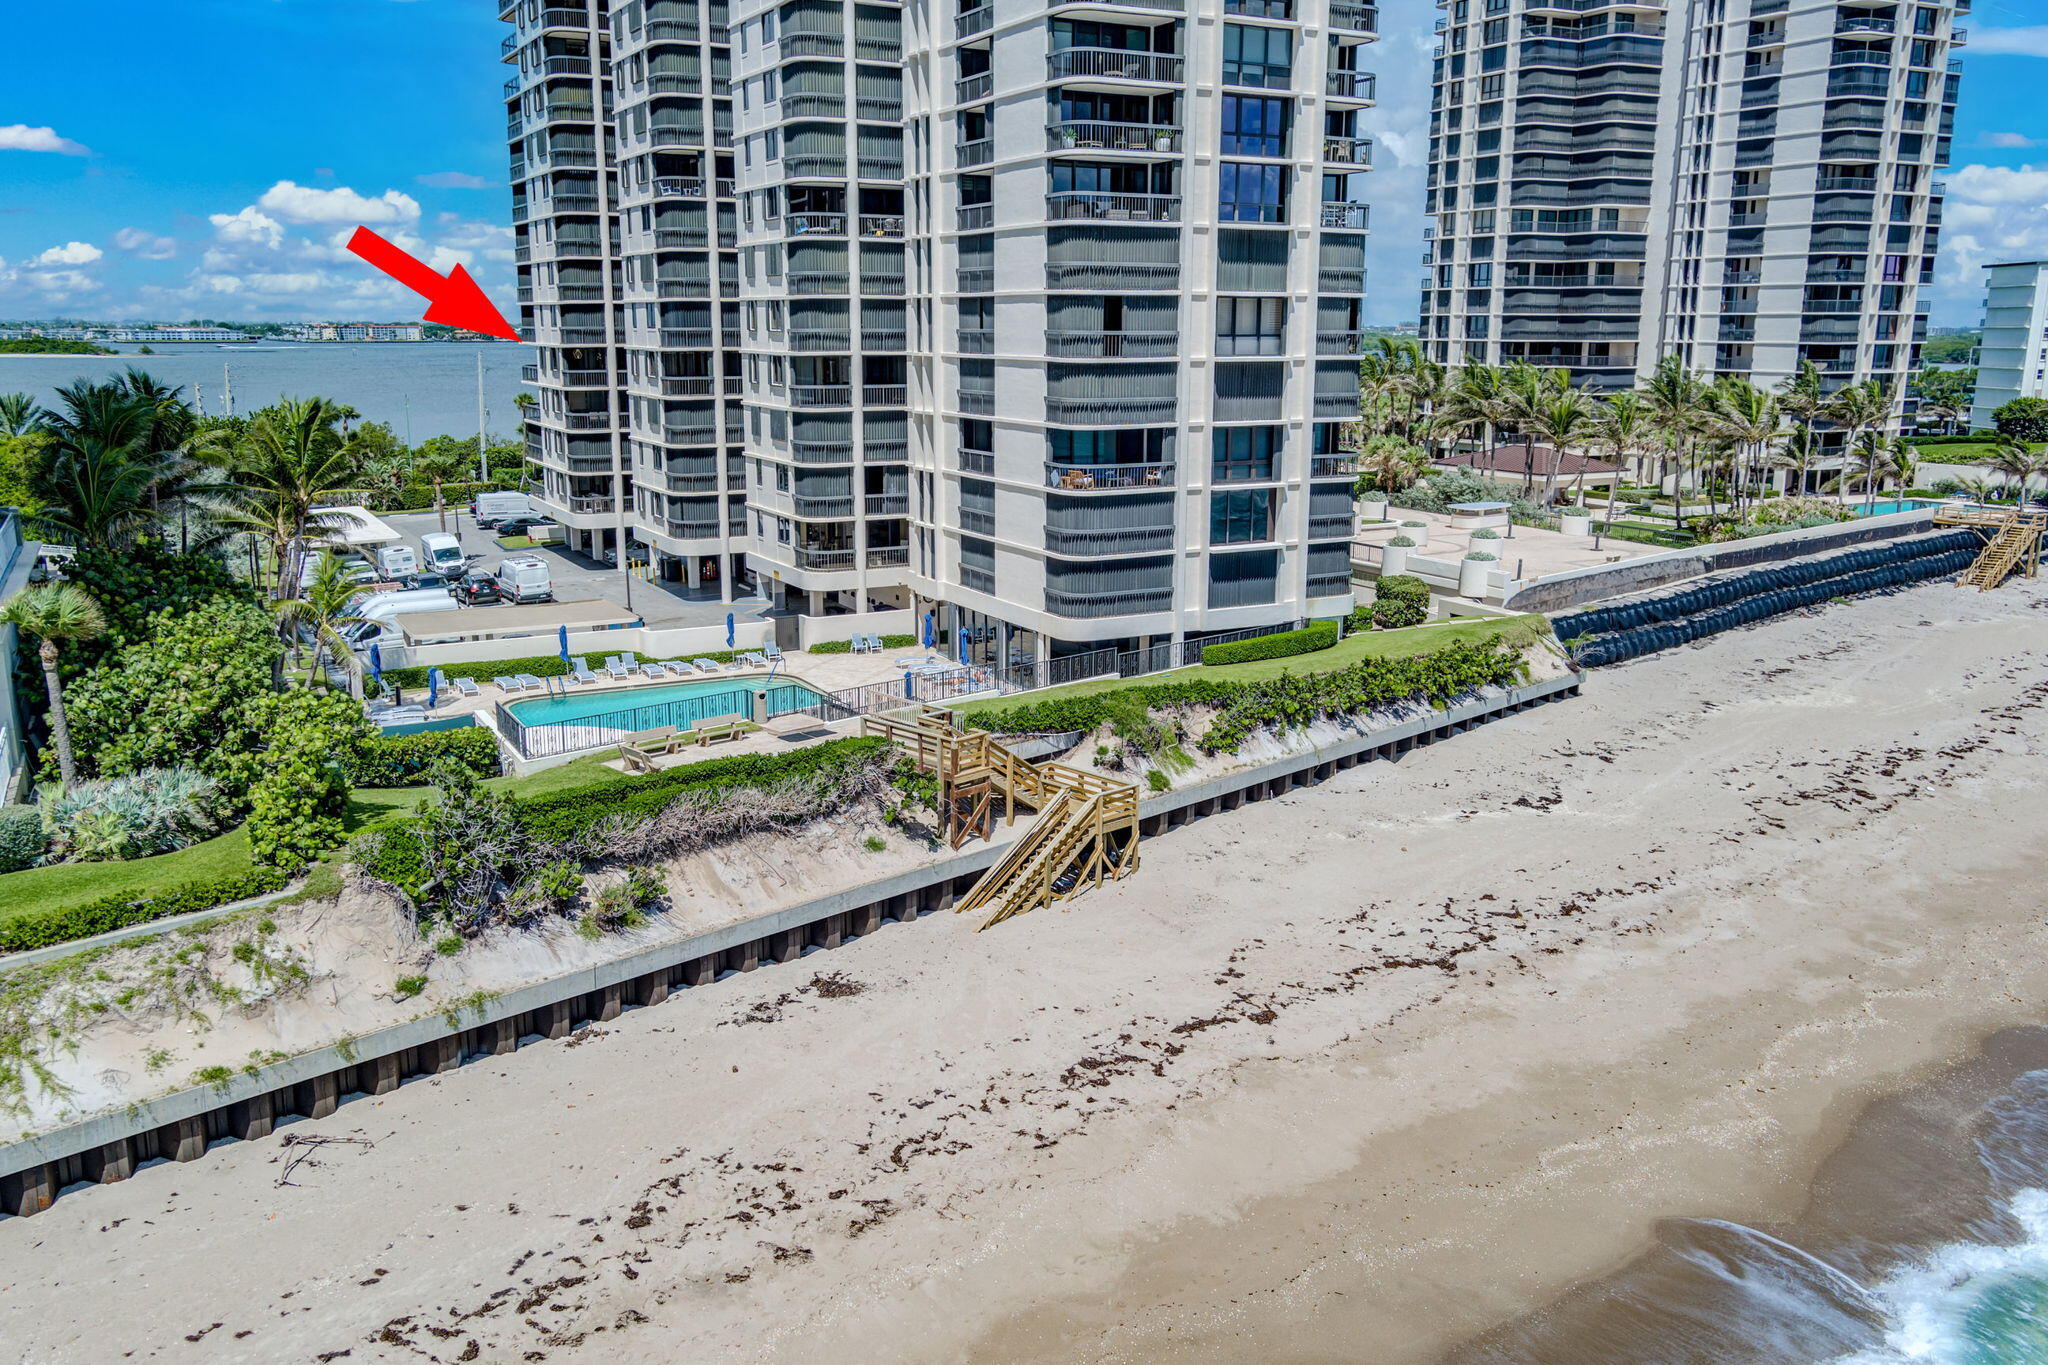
(1885, 509)
(544, 727)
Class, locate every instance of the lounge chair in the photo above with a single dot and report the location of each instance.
(679, 668)
(914, 661)
(754, 660)
(618, 666)
(582, 672)
(770, 652)
(706, 665)
(654, 670)
(527, 680)
(466, 687)
(857, 645)
(506, 684)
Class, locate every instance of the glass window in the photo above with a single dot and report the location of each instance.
(1253, 126)
(1257, 56)
(1244, 454)
(1250, 326)
(1253, 193)
(1241, 516)
(1243, 580)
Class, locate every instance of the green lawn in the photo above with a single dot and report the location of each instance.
(1371, 644)
(1962, 452)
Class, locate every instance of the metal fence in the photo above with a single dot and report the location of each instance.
(1124, 663)
(548, 739)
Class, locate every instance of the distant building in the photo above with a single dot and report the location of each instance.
(375, 331)
(159, 335)
(2012, 360)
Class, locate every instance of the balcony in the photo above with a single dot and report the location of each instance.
(881, 225)
(977, 341)
(1112, 137)
(1083, 63)
(821, 452)
(881, 286)
(974, 89)
(1066, 205)
(1150, 276)
(888, 556)
(815, 166)
(814, 225)
(976, 279)
(976, 522)
(685, 338)
(1340, 343)
(1845, 182)
(593, 506)
(878, 107)
(882, 339)
(970, 217)
(1735, 331)
(1092, 605)
(823, 561)
(813, 45)
(1864, 23)
(1345, 215)
(979, 152)
(1337, 404)
(1340, 280)
(823, 509)
(886, 505)
(879, 168)
(968, 23)
(976, 402)
(1099, 478)
(977, 462)
(1348, 151)
(1329, 466)
(1091, 345)
(1354, 18)
(884, 395)
(885, 450)
(820, 339)
(815, 282)
(821, 395)
(1125, 541)
(809, 104)
(1350, 85)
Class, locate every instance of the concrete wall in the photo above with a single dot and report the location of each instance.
(812, 630)
(647, 641)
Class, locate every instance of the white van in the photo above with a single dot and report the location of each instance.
(525, 579)
(492, 508)
(441, 554)
(380, 613)
(354, 569)
(397, 561)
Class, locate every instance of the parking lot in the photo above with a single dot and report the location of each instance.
(578, 576)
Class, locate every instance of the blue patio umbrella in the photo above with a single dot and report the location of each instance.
(931, 631)
(563, 632)
(377, 664)
(730, 623)
(433, 687)
(961, 637)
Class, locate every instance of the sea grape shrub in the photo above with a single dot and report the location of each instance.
(401, 760)
(1400, 600)
(298, 795)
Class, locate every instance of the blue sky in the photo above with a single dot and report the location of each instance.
(229, 145)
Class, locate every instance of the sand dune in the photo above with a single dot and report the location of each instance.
(1355, 1074)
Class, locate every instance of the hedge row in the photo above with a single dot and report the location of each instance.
(1290, 699)
(560, 815)
(415, 497)
(1399, 600)
(540, 666)
(846, 647)
(401, 760)
(43, 928)
(1318, 635)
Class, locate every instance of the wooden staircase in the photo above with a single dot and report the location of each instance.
(2014, 542)
(1087, 826)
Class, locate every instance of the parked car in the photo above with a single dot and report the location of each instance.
(525, 578)
(474, 589)
(523, 526)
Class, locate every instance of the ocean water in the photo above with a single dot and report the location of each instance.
(426, 388)
(1925, 1242)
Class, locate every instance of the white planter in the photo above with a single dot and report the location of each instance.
(1576, 526)
(1373, 509)
(1472, 576)
(1393, 559)
(1418, 534)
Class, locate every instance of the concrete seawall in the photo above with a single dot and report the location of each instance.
(181, 1126)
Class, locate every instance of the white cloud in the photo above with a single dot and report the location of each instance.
(19, 137)
(60, 284)
(2014, 140)
(295, 203)
(250, 227)
(146, 245)
(71, 253)
(2028, 41)
(453, 180)
(1992, 214)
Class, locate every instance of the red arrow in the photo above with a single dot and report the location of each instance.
(457, 301)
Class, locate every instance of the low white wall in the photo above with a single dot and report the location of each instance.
(813, 630)
(646, 641)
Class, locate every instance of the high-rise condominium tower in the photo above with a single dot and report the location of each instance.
(1044, 321)
(1745, 184)
(2012, 360)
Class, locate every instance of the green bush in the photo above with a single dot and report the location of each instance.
(846, 646)
(402, 760)
(22, 838)
(544, 665)
(1290, 699)
(561, 815)
(1400, 600)
(1318, 635)
(43, 928)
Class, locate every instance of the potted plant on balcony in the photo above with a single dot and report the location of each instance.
(1575, 520)
(1472, 572)
(1162, 139)
(1394, 555)
(1068, 137)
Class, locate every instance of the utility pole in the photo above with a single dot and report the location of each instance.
(483, 462)
(227, 384)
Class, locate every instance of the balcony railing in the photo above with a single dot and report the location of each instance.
(886, 505)
(883, 286)
(820, 339)
(810, 104)
(817, 282)
(1345, 215)
(976, 402)
(593, 506)
(976, 153)
(821, 395)
(685, 338)
(1354, 18)
(1147, 276)
(1124, 541)
(977, 461)
(1351, 85)
(1088, 605)
(968, 23)
(1329, 466)
(1088, 345)
(884, 395)
(1076, 135)
(1095, 478)
(1140, 208)
(1114, 63)
(973, 216)
(888, 556)
(1348, 151)
(813, 44)
(882, 339)
(973, 89)
(821, 452)
(976, 279)
(881, 225)
(1332, 279)
(823, 561)
(977, 341)
(814, 225)
(1336, 404)
(823, 509)
(879, 168)
(1340, 343)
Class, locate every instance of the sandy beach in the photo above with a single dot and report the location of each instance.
(1371, 1072)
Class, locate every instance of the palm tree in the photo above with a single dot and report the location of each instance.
(55, 613)
(1869, 463)
(439, 467)
(1795, 452)
(1528, 391)
(1562, 419)
(1803, 399)
(1903, 463)
(288, 462)
(321, 611)
(1473, 401)
(1390, 464)
(19, 414)
(1676, 398)
(2015, 459)
(1749, 419)
(1947, 411)
(1622, 427)
(1860, 408)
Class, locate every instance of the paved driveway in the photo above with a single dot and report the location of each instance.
(579, 576)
